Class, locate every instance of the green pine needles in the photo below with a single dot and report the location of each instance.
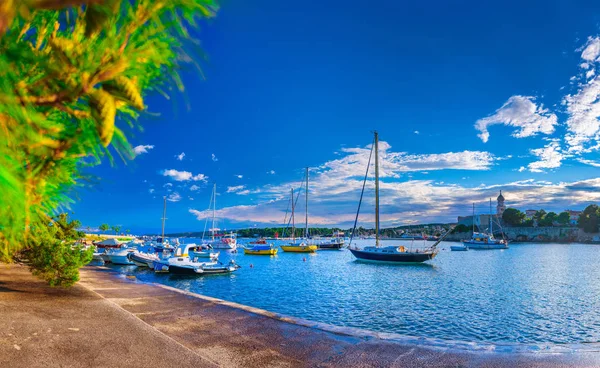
(73, 77)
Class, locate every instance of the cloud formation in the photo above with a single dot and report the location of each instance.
(180, 156)
(174, 197)
(522, 113)
(184, 175)
(235, 189)
(550, 157)
(213, 157)
(138, 150)
(583, 106)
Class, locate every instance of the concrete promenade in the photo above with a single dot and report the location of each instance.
(110, 321)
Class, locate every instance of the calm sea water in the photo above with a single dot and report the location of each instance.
(530, 293)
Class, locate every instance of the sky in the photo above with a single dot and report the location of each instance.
(469, 98)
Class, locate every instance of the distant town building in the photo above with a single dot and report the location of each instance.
(500, 208)
(482, 221)
(574, 216)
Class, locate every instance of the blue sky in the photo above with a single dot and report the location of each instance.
(469, 98)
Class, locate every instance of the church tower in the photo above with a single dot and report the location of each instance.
(500, 207)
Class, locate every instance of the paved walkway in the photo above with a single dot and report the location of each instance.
(110, 321)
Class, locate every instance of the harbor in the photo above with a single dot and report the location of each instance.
(77, 327)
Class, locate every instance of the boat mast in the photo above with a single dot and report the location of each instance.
(376, 189)
(491, 222)
(473, 218)
(306, 225)
(214, 210)
(293, 220)
(164, 217)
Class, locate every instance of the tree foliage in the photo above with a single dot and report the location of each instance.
(73, 79)
(52, 253)
(588, 220)
(564, 218)
(513, 217)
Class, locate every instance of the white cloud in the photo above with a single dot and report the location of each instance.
(522, 168)
(184, 175)
(213, 157)
(417, 132)
(235, 189)
(550, 157)
(522, 113)
(180, 156)
(168, 185)
(271, 172)
(589, 162)
(590, 73)
(418, 201)
(174, 197)
(239, 176)
(591, 50)
(583, 106)
(151, 190)
(243, 192)
(138, 150)
(194, 188)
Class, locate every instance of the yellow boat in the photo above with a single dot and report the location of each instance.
(301, 248)
(261, 252)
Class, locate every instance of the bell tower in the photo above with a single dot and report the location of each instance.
(500, 207)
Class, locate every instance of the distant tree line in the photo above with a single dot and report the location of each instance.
(588, 220)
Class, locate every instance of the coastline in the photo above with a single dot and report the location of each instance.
(227, 334)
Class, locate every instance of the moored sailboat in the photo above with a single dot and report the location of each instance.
(386, 254)
(222, 241)
(483, 240)
(304, 246)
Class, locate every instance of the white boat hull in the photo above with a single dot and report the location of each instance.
(228, 246)
(484, 246)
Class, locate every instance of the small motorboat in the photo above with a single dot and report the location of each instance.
(119, 256)
(261, 250)
(108, 243)
(202, 251)
(228, 241)
(142, 259)
(203, 268)
(459, 248)
(333, 244)
(259, 241)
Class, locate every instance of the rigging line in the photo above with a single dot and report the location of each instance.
(285, 219)
(206, 219)
(362, 193)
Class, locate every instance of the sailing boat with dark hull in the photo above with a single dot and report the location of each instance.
(393, 253)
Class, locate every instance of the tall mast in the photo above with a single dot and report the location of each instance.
(376, 189)
(164, 217)
(306, 225)
(293, 219)
(473, 218)
(214, 210)
(491, 222)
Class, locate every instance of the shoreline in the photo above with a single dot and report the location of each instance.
(429, 342)
(143, 322)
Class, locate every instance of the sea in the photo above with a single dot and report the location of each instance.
(527, 294)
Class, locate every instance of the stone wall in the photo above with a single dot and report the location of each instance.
(538, 234)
